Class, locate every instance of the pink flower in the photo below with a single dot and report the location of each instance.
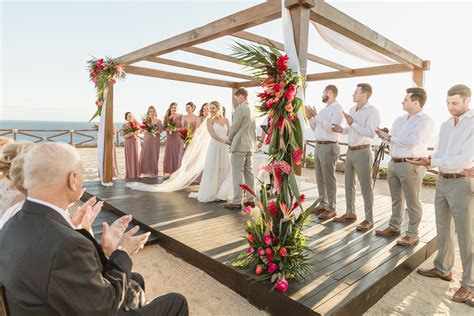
(272, 267)
(98, 102)
(118, 70)
(282, 63)
(267, 240)
(247, 188)
(297, 156)
(282, 286)
(250, 238)
(268, 103)
(283, 166)
(289, 107)
(258, 270)
(283, 252)
(113, 81)
(269, 257)
(248, 209)
(272, 209)
(94, 79)
(261, 252)
(250, 250)
(290, 93)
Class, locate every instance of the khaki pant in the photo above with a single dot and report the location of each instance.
(242, 168)
(325, 158)
(359, 162)
(404, 181)
(454, 201)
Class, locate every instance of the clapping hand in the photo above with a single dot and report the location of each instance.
(85, 215)
(310, 111)
(423, 161)
(133, 244)
(337, 128)
(112, 235)
(382, 134)
(348, 118)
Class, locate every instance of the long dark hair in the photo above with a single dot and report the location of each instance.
(126, 114)
(191, 104)
(201, 111)
(168, 112)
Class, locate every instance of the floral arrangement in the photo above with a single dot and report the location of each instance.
(148, 126)
(186, 134)
(103, 71)
(133, 126)
(277, 247)
(169, 125)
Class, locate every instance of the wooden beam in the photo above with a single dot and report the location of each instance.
(211, 54)
(263, 41)
(300, 20)
(242, 20)
(419, 74)
(133, 70)
(359, 72)
(340, 22)
(175, 63)
(109, 135)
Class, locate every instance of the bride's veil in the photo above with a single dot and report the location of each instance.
(192, 165)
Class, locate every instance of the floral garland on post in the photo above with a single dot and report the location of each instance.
(277, 247)
(101, 73)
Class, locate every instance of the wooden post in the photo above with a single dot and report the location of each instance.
(109, 134)
(300, 12)
(419, 77)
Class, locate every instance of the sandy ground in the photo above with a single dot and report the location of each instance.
(164, 273)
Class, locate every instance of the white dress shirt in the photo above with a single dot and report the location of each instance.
(410, 136)
(321, 124)
(455, 149)
(365, 122)
(61, 212)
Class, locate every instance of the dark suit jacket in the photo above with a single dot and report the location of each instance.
(48, 268)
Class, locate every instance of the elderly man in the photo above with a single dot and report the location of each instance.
(68, 277)
(454, 200)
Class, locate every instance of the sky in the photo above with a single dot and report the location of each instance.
(45, 46)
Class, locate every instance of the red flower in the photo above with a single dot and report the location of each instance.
(296, 204)
(250, 238)
(282, 63)
(302, 197)
(269, 251)
(272, 267)
(258, 270)
(250, 250)
(283, 252)
(246, 188)
(261, 252)
(282, 286)
(297, 156)
(98, 103)
(290, 93)
(267, 240)
(269, 257)
(289, 107)
(113, 81)
(279, 86)
(272, 209)
(292, 117)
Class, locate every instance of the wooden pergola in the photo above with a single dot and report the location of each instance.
(302, 13)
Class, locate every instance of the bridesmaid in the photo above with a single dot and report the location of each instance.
(151, 145)
(203, 113)
(190, 119)
(174, 147)
(132, 147)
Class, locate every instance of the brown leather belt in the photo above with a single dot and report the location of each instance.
(325, 142)
(400, 159)
(451, 175)
(359, 147)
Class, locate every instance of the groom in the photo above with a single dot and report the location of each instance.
(242, 139)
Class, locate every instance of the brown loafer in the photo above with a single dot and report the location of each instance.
(346, 218)
(387, 232)
(461, 294)
(251, 204)
(365, 226)
(318, 210)
(408, 241)
(232, 206)
(327, 215)
(433, 273)
(470, 299)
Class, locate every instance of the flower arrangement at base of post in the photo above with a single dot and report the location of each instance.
(277, 247)
(103, 71)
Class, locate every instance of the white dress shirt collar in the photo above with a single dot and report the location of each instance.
(59, 210)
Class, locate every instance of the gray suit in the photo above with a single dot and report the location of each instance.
(242, 135)
(48, 268)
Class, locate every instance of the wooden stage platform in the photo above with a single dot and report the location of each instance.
(351, 270)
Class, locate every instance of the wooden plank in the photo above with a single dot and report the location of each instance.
(175, 63)
(244, 19)
(212, 54)
(109, 135)
(328, 16)
(359, 72)
(133, 70)
(263, 41)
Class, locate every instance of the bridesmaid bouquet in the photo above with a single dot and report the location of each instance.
(170, 126)
(149, 127)
(133, 127)
(186, 134)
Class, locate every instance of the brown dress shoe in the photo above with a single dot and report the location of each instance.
(365, 226)
(318, 210)
(433, 273)
(249, 203)
(461, 295)
(387, 232)
(346, 218)
(470, 299)
(327, 214)
(232, 206)
(408, 240)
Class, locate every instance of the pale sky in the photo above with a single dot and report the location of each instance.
(45, 46)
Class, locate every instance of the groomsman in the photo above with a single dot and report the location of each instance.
(363, 119)
(327, 150)
(408, 138)
(454, 200)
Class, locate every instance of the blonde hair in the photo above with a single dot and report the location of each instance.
(49, 164)
(11, 163)
(5, 141)
(218, 106)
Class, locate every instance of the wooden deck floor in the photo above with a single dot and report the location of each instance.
(351, 270)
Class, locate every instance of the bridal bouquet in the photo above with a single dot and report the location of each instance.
(132, 127)
(149, 127)
(277, 245)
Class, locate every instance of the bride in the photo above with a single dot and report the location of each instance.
(214, 163)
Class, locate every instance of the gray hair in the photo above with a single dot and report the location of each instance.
(49, 163)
